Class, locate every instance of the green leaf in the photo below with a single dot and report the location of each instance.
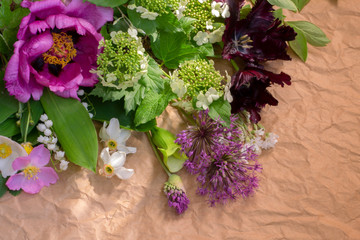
(299, 45)
(300, 4)
(8, 105)
(173, 163)
(74, 129)
(36, 111)
(173, 48)
(11, 19)
(244, 11)
(288, 4)
(206, 50)
(168, 22)
(220, 109)
(4, 47)
(187, 24)
(107, 93)
(10, 36)
(8, 128)
(133, 98)
(279, 14)
(3, 187)
(108, 3)
(149, 26)
(153, 78)
(152, 106)
(313, 34)
(15, 193)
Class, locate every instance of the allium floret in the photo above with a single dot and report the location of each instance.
(175, 192)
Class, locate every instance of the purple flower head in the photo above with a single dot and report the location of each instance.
(249, 90)
(57, 48)
(258, 37)
(229, 175)
(175, 194)
(34, 175)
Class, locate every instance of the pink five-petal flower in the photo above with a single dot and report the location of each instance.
(34, 175)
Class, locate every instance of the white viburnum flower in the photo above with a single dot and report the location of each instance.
(114, 165)
(225, 11)
(227, 94)
(131, 6)
(9, 151)
(133, 32)
(209, 25)
(216, 36)
(201, 38)
(202, 101)
(182, 7)
(212, 95)
(149, 15)
(178, 87)
(216, 8)
(270, 141)
(115, 137)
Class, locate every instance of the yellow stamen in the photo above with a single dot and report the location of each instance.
(62, 51)
(31, 172)
(5, 150)
(28, 147)
(108, 170)
(111, 144)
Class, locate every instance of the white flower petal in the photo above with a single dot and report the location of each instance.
(113, 130)
(105, 155)
(124, 173)
(117, 159)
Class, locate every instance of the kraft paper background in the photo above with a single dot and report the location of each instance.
(310, 184)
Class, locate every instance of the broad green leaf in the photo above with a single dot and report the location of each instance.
(8, 106)
(313, 34)
(206, 50)
(153, 78)
(244, 11)
(300, 4)
(299, 45)
(152, 106)
(278, 13)
(11, 19)
(149, 26)
(220, 109)
(288, 4)
(108, 3)
(74, 129)
(173, 48)
(187, 23)
(133, 98)
(4, 47)
(8, 128)
(10, 37)
(173, 163)
(168, 22)
(3, 187)
(36, 111)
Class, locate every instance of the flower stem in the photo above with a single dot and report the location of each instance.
(157, 154)
(55, 168)
(233, 63)
(27, 122)
(185, 114)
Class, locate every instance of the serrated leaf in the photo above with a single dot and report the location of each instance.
(133, 98)
(107, 93)
(187, 24)
(300, 4)
(173, 48)
(8, 105)
(299, 45)
(152, 106)
(206, 50)
(288, 4)
(220, 109)
(149, 26)
(153, 78)
(74, 129)
(313, 34)
(168, 22)
(108, 3)
(36, 111)
(8, 128)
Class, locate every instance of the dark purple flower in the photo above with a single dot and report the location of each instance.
(175, 194)
(249, 90)
(57, 48)
(258, 37)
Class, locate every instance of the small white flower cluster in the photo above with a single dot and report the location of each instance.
(50, 140)
(204, 37)
(262, 140)
(81, 93)
(146, 14)
(177, 85)
(204, 100)
(182, 7)
(227, 94)
(220, 9)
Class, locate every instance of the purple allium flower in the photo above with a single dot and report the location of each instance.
(57, 48)
(249, 90)
(258, 37)
(175, 194)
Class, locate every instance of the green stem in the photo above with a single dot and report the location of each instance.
(55, 168)
(234, 65)
(166, 74)
(188, 116)
(27, 122)
(157, 154)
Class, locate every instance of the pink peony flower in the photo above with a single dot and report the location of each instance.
(57, 48)
(34, 175)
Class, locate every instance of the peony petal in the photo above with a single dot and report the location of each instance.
(105, 155)
(72, 93)
(32, 185)
(16, 182)
(40, 156)
(97, 16)
(124, 173)
(62, 21)
(69, 78)
(47, 176)
(86, 63)
(42, 9)
(21, 163)
(117, 159)
(38, 27)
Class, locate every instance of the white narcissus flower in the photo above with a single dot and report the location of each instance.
(114, 164)
(9, 151)
(115, 137)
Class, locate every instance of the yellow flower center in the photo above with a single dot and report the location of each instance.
(31, 172)
(5, 150)
(108, 170)
(28, 147)
(62, 51)
(111, 144)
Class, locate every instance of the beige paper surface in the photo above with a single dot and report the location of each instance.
(310, 184)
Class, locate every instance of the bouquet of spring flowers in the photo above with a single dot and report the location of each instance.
(68, 63)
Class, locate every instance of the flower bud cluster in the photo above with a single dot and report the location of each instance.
(50, 140)
(150, 9)
(123, 61)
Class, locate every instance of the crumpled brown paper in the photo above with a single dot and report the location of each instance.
(310, 184)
